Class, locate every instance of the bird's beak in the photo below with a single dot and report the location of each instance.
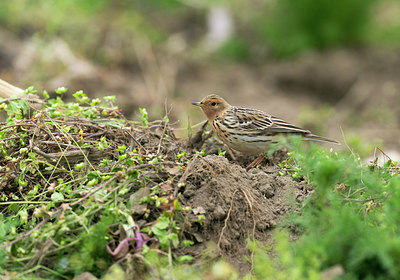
(197, 103)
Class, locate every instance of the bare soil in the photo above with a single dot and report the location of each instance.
(238, 204)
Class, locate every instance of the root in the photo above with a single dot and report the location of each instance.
(253, 229)
(226, 221)
(250, 204)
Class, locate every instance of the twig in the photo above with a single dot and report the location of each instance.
(151, 164)
(376, 158)
(135, 140)
(161, 138)
(10, 99)
(52, 143)
(360, 200)
(356, 191)
(345, 143)
(39, 152)
(11, 138)
(15, 125)
(354, 155)
(39, 225)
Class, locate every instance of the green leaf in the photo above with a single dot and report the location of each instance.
(110, 98)
(61, 90)
(177, 205)
(145, 117)
(187, 243)
(173, 237)
(79, 165)
(17, 107)
(23, 214)
(95, 102)
(164, 241)
(92, 182)
(30, 90)
(22, 183)
(46, 95)
(185, 258)
(81, 97)
(200, 219)
(57, 197)
(160, 227)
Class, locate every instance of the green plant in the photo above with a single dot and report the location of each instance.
(74, 200)
(349, 222)
(202, 152)
(166, 232)
(221, 153)
(145, 118)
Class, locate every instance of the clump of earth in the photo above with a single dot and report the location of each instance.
(237, 203)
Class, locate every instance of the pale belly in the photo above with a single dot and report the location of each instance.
(247, 144)
(252, 148)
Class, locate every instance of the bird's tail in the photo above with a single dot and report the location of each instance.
(314, 137)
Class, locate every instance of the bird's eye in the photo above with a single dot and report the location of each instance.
(214, 103)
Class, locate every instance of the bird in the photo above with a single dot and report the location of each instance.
(248, 130)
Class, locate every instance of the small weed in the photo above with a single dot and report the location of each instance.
(145, 118)
(221, 153)
(202, 152)
(182, 154)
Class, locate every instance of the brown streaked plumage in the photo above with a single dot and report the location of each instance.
(248, 130)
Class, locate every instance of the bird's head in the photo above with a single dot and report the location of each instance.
(212, 106)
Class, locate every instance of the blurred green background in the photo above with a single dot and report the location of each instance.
(326, 65)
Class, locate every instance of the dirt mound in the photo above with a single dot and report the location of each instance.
(238, 204)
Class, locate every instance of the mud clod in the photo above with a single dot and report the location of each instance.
(219, 213)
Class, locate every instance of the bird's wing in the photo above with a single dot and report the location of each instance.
(257, 121)
(282, 126)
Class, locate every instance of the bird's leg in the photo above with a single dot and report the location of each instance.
(256, 162)
(231, 153)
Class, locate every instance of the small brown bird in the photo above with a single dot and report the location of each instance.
(249, 130)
